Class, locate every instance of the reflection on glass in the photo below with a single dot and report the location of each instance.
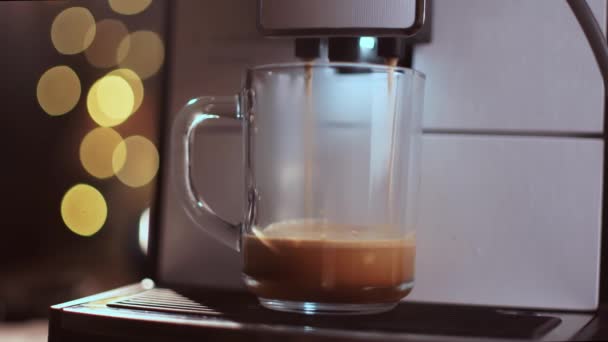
(144, 230)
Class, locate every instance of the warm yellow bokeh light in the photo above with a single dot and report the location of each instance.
(96, 150)
(136, 85)
(84, 210)
(142, 52)
(115, 97)
(110, 101)
(129, 7)
(108, 33)
(58, 90)
(73, 30)
(135, 161)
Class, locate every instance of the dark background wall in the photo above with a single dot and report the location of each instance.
(42, 261)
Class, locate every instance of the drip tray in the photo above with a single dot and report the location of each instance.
(409, 318)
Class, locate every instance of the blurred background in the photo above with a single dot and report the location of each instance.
(81, 86)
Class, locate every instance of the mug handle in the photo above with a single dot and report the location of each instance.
(196, 112)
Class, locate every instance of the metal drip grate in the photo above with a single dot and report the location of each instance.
(163, 300)
(416, 318)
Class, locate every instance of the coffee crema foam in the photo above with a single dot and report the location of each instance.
(317, 230)
(316, 261)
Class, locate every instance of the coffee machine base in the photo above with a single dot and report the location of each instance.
(148, 312)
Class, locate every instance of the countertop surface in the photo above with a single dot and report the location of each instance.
(27, 331)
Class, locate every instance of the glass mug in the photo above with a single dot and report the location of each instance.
(331, 165)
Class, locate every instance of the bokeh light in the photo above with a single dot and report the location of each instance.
(142, 52)
(96, 150)
(108, 33)
(129, 7)
(84, 210)
(136, 85)
(73, 30)
(115, 97)
(135, 161)
(367, 43)
(58, 90)
(144, 231)
(110, 101)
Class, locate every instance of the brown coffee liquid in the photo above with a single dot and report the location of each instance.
(319, 262)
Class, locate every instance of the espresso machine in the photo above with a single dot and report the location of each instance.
(510, 243)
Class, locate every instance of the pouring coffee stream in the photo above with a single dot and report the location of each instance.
(309, 134)
(391, 62)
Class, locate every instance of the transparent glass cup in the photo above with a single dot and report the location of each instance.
(331, 158)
